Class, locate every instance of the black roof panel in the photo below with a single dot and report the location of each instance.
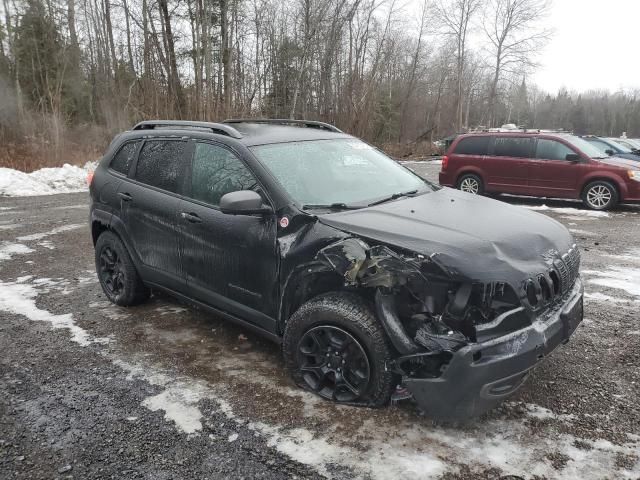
(261, 134)
(250, 134)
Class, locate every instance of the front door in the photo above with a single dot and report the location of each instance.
(230, 261)
(149, 207)
(551, 174)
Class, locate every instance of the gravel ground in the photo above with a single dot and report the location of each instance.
(91, 390)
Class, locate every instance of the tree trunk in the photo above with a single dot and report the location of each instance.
(112, 48)
(175, 87)
(226, 56)
(128, 31)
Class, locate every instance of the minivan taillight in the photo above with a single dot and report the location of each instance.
(445, 163)
(89, 178)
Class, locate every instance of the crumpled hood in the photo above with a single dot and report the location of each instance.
(471, 236)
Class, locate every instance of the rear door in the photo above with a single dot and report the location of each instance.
(149, 201)
(551, 174)
(506, 167)
(230, 261)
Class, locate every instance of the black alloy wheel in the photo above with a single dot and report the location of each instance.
(333, 363)
(118, 276)
(111, 271)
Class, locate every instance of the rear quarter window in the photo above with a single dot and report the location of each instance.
(124, 158)
(472, 146)
(162, 164)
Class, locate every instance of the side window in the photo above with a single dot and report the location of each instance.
(124, 158)
(603, 147)
(161, 164)
(472, 146)
(215, 172)
(552, 150)
(519, 147)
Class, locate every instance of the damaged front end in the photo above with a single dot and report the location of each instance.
(463, 345)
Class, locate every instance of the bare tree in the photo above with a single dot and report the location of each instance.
(456, 16)
(515, 34)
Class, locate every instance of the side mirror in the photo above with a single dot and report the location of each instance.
(609, 152)
(572, 157)
(243, 202)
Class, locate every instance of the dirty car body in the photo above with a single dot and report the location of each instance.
(471, 293)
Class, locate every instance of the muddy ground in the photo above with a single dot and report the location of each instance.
(91, 390)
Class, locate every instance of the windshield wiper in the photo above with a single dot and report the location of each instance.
(331, 206)
(393, 197)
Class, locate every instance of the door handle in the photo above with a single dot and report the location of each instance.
(125, 196)
(191, 217)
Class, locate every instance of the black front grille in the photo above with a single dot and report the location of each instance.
(568, 268)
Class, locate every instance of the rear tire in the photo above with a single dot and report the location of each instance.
(600, 195)
(331, 343)
(118, 276)
(471, 183)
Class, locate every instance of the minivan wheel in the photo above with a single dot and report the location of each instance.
(334, 346)
(118, 276)
(471, 183)
(600, 195)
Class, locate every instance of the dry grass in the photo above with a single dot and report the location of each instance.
(39, 142)
(414, 150)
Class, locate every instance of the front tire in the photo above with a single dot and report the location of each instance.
(118, 276)
(335, 347)
(471, 183)
(600, 195)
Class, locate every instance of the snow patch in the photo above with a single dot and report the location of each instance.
(619, 278)
(46, 181)
(19, 298)
(47, 244)
(179, 404)
(567, 211)
(577, 231)
(632, 256)
(601, 297)
(55, 231)
(10, 226)
(73, 207)
(171, 310)
(8, 250)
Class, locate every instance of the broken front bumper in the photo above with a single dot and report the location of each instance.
(480, 376)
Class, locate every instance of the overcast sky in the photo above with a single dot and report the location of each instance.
(595, 46)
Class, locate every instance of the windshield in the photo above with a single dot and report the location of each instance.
(586, 147)
(341, 171)
(621, 145)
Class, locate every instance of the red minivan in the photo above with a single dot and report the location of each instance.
(554, 165)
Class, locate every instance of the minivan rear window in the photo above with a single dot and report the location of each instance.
(519, 147)
(473, 146)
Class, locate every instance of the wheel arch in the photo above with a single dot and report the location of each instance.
(304, 283)
(470, 170)
(102, 222)
(618, 185)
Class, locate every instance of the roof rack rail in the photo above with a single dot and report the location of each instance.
(218, 128)
(286, 121)
(519, 130)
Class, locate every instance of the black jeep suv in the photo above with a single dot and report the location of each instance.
(370, 277)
